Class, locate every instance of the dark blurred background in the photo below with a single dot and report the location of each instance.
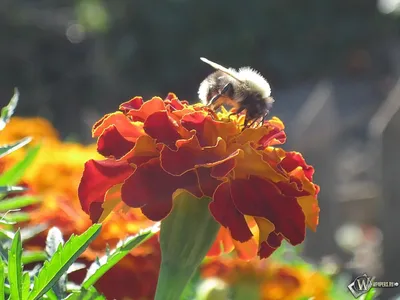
(333, 65)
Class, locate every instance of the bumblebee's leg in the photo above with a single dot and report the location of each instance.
(246, 121)
(226, 89)
(236, 112)
(252, 123)
(264, 118)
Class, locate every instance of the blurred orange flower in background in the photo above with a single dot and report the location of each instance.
(154, 148)
(54, 177)
(274, 280)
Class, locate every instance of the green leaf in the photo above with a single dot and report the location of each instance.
(62, 259)
(7, 111)
(190, 289)
(33, 256)
(26, 284)
(15, 267)
(18, 202)
(2, 280)
(91, 294)
(17, 217)
(14, 175)
(105, 263)
(7, 149)
(3, 218)
(51, 295)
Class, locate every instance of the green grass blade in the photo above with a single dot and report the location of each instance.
(29, 257)
(62, 259)
(51, 295)
(15, 267)
(7, 149)
(26, 284)
(17, 217)
(18, 202)
(102, 265)
(7, 111)
(14, 175)
(2, 280)
(91, 294)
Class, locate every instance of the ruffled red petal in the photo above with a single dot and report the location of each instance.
(144, 150)
(294, 160)
(275, 135)
(162, 128)
(208, 184)
(261, 198)
(134, 103)
(208, 130)
(151, 189)
(112, 144)
(291, 189)
(128, 130)
(225, 212)
(148, 108)
(268, 247)
(98, 177)
(190, 155)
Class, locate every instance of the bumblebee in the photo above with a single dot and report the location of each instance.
(245, 89)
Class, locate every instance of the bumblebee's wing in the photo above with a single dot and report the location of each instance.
(221, 68)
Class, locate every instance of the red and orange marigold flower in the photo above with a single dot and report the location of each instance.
(155, 148)
(274, 280)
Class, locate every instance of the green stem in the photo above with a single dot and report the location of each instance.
(186, 235)
(172, 281)
(246, 291)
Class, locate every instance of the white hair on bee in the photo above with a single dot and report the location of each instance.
(255, 81)
(203, 91)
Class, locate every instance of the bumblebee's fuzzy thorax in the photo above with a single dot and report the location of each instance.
(245, 89)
